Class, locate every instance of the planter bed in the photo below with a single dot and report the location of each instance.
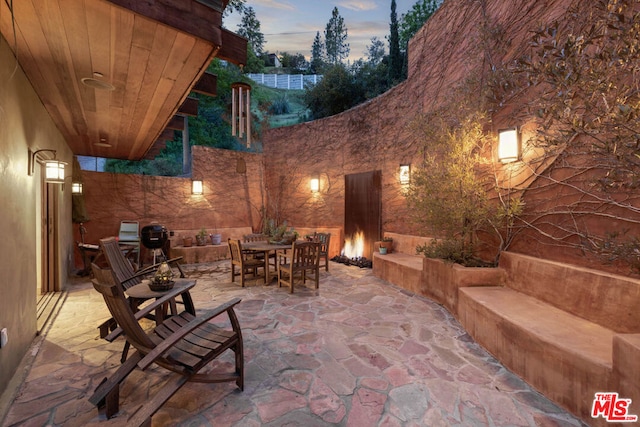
(200, 254)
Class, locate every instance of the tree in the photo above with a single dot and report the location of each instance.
(447, 197)
(317, 55)
(234, 5)
(335, 39)
(372, 75)
(295, 62)
(336, 92)
(375, 51)
(255, 64)
(249, 28)
(395, 57)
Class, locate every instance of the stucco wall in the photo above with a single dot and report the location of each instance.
(382, 134)
(232, 196)
(24, 124)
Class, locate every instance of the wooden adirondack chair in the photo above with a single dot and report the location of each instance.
(122, 268)
(125, 274)
(183, 344)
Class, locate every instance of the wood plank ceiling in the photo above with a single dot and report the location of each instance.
(113, 74)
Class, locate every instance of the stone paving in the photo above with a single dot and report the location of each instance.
(358, 352)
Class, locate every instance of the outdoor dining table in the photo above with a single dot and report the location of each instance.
(266, 247)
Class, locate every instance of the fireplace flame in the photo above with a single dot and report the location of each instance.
(354, 246)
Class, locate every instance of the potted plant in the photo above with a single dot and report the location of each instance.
(201, 237)
(216, 238)
(386, 243)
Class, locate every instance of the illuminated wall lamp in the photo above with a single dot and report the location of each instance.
(197, 188)
(76, 188)
(53, 168)
(404, 174)
(314, 183)
(508, 145)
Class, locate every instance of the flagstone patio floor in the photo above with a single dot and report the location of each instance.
(358, 352)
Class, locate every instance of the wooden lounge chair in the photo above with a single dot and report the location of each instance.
(122, 267)
(127, 277)
(304, 258)
(182, 344)
(243, 263)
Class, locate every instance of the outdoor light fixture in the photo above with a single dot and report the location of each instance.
(315, 185)
(53, 168)
(197, 187)
(508, 145)
(76, 188)
(405, 174)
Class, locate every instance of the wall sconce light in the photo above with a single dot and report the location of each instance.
(404, 174)
(197, 189)
(314, 183)
(508, 145)
(53, 168)
(76, 188)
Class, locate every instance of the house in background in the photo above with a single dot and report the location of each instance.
(85, 77)
(274, 61)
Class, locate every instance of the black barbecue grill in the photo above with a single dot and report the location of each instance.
(154, 237)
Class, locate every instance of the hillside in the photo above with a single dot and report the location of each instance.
(280, 107)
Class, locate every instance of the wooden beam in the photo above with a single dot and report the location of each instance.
(189, 16)
(159, 145)
(207, 85)
(176, 123)
(233, 49)
(189, 107)
(218, 5)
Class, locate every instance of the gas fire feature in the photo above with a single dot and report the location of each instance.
(353, 252)
(361, 262)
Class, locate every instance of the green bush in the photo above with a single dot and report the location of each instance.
(280, 106)
(452, 250)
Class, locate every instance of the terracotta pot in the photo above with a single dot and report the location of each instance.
(187, 241)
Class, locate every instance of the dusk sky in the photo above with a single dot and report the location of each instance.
(291, 25)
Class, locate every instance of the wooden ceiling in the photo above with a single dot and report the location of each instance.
(113, 74)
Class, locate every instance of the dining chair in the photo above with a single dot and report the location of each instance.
(324, 239)
(184, 345)
(243, 263)
(303, 259)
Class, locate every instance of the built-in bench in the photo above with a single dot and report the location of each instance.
(199, 254)
(568, 331)
(402, 267)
